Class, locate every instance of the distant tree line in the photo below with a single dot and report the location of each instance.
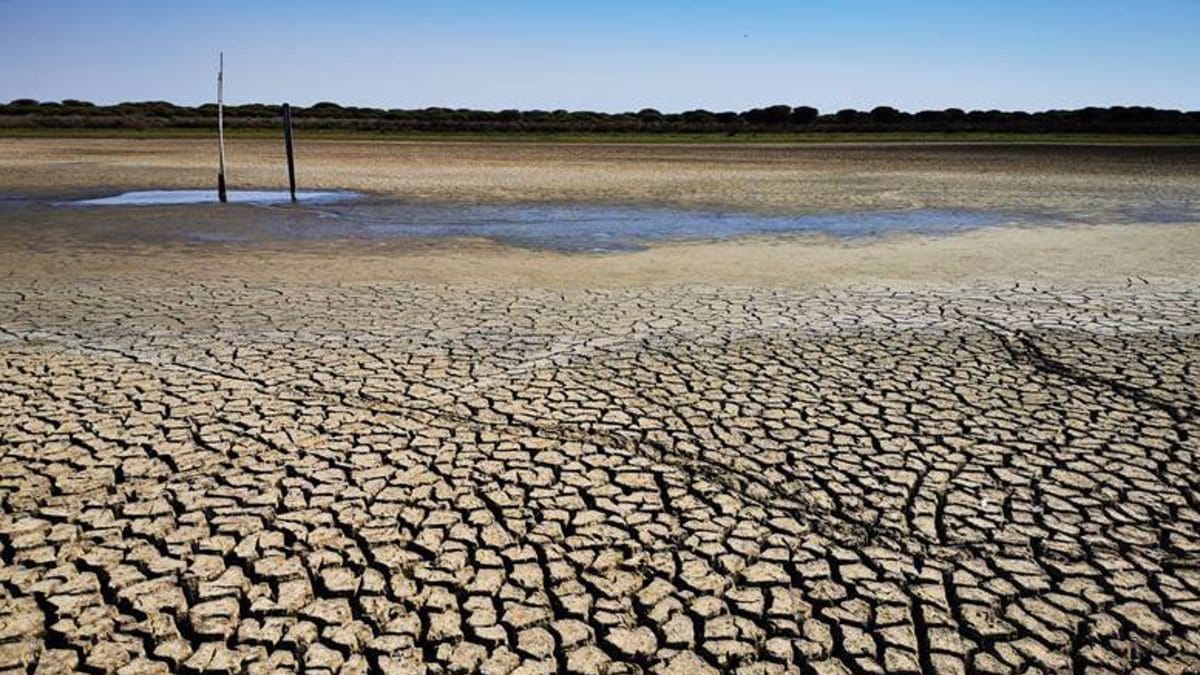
(146, 115)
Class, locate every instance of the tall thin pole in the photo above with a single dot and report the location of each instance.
(287, 141)
(221, 130)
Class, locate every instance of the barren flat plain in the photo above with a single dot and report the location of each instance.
(904, 453)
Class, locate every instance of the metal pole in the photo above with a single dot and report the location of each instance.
(287, 141)
(221, 131)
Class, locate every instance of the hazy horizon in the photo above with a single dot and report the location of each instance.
(632, 110)
(619, 56)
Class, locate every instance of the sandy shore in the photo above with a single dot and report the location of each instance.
(1103, 255)
(1085, 182)
(961, 454)
(757, 177)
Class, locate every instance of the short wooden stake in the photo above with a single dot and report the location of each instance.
(291, 157)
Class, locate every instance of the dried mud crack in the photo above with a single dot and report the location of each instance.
(218, 477)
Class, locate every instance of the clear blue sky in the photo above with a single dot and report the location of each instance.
(615, 55)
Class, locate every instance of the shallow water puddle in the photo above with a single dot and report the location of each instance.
(269, 216)
(587, 227)
(177, 197)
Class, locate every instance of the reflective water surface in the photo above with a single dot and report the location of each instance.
(175, 197)
(268, 216)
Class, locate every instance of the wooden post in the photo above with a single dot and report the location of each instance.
(287, 141)
(221, 131)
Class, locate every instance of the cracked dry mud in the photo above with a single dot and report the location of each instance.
(214, 477)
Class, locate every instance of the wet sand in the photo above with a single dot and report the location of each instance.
(1103, 255)
(1088, 182)
(766, 178)
(968, 453)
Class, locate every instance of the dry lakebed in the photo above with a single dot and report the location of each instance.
(601, 409)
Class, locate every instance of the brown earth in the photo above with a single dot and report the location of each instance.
(972, 453)
(769, 178)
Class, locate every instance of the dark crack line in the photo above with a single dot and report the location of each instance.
(1031, 353)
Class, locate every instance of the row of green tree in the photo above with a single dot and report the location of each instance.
(28, 113)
